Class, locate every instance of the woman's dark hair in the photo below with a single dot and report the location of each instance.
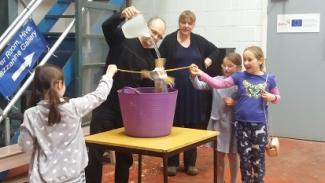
(45, 78)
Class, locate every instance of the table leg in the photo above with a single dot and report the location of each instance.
(165, 169)
(215, 161)
(139, 168)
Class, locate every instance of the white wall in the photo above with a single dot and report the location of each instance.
(227, 23)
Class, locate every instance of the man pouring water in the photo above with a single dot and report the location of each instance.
(127, 53)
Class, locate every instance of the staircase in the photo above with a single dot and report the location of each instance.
(65, 55)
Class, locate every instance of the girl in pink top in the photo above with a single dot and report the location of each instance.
(255, 89)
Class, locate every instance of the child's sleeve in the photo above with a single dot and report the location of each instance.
(217, 83)
(26, 140)
(200, 85)
(90, 101)
(274, 89)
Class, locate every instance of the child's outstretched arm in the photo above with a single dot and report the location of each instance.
(213, 83)
(200, 85)
(197, 84)
(90, 101)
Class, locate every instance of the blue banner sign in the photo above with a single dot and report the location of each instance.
(19, 57)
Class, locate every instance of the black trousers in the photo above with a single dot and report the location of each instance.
(95, 165)
(189, 155)
(189, 159)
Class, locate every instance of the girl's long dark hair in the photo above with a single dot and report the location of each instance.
(45, 78)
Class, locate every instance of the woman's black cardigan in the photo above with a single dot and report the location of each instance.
(206, 49)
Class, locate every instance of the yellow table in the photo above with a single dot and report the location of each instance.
(179, 140)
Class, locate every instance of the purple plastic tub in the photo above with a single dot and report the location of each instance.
(146, 113)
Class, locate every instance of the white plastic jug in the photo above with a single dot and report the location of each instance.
(135, 27)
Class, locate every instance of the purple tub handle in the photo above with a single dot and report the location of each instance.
(130, 90)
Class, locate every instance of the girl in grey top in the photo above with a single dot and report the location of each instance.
(51, 130)
(222, 117)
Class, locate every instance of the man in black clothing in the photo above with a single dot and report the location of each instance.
(129, 54)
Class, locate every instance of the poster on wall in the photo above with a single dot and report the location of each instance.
(19, 57)
(309, 22)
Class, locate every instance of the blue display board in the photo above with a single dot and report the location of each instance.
(19, 57)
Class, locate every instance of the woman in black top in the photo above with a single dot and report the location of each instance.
(182, 48)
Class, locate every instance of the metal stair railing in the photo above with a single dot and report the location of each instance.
(6, 37)
(18, 22)
(54, 14)
(31, 76)
(13, 24)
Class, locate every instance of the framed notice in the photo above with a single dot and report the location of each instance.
(309, 22)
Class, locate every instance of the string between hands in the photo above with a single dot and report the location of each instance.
(143, 71)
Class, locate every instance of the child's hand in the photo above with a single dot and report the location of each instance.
(111, 70)
(229, 101)
(267, 97)
(195, 71)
